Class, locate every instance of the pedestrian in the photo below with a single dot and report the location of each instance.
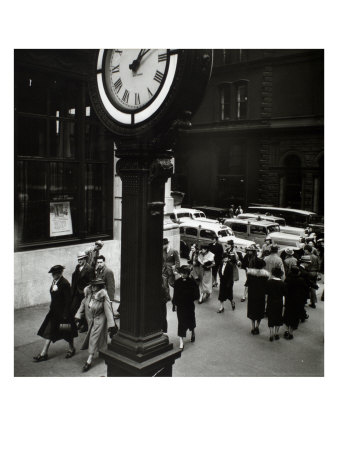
(249, 262)
(81, 277)
(276, 291)
(257, 278)
(234, 258)
(206, 259)
(99, 315)
(93, 253)
(194, 264)
(186, 292)
(295, 299)
(226, 279)
(273, 260)
(239, 210)
(314, 251)
(289, 261)
(231, 211)
(107, 275)
(307, 267)
(217, 249)
(320, 245)
(266, 247)
(170, 264)
(59, 322)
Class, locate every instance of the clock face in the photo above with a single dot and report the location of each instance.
(134, 83)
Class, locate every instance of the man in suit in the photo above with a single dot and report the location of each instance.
(216, 248)
(171, 262)
(81, 278)
(93, 253)
(107, 275)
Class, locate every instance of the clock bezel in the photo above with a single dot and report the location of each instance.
(133, 117)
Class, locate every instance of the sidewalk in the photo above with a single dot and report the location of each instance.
(224, 345)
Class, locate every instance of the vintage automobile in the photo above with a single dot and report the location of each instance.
(212, 212)
(268, 217)
(193, 232)
(258, 230)
(180, 215)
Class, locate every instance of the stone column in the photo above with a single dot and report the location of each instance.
(140, 348)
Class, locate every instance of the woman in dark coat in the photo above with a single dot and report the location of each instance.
(276, 291)
(59, 314)
(295, 298)
(186, 292)
(226, 278)
(256, 281)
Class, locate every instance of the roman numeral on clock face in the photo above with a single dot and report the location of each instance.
(125, 97)
(137, 98)
(162, 57)
(158, 76)
(150, 93)
(118, 85)
(115, 69)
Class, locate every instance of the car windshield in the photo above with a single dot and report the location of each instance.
(183, 215)
(199, 215)
(226, 232)
(273, 228)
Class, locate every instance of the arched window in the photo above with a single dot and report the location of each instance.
(293, 182)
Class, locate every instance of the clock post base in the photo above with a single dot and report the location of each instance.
(122, 366)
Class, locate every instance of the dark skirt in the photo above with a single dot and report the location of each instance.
(186, 319)
(274, 311)
(226, 292)
(50, 329)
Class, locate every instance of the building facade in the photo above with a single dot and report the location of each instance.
(258, 136)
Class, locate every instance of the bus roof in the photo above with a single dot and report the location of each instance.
(276, 208)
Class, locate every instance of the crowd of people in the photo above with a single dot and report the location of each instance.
(278, 284)
(85, 306)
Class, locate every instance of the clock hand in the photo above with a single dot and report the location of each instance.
(136, 63)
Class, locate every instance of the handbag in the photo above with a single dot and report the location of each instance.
(65, 327)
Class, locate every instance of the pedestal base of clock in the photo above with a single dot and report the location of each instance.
(122, 366)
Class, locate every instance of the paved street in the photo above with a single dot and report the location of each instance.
(224, 345)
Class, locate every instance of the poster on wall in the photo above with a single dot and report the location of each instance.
(60, 222)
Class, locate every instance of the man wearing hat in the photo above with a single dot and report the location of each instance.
(59, 322)
(81, 278)
(217, 249)
(273, 260)
(310, 264)
(170, 264)
(93, 253)
(266, 247)
(289, 261)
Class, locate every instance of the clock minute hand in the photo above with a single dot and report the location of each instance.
(136, 63)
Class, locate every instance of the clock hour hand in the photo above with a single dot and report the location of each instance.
(136, 63)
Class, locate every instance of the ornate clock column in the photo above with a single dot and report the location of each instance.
(140, 348)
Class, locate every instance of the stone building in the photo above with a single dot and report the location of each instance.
(258, 136)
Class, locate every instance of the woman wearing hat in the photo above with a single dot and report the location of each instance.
(226, 278)
(249, 262)
(98, 311)
(257, 278)
(295, 299)
(185, 293)
(59, 323)
(276, 291)
(206, 259)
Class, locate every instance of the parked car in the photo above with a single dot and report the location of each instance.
(258, 230)
(180, 215)
(193, 232)
(294, 217)
(212, 212)
(280, 220)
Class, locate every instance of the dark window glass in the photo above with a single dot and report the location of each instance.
(30, 135)
(62, 138)
(95, 141)
(191, 231)
(225, 93)
(64, 97)
(239, 227)
(96, 198)
(255, 229)
(30, 91)
(207, 234)
(242, 101)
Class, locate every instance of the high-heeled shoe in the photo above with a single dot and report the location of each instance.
(192, 338)
(220, 310)
(39, 357)
(70, 353)
(233, 306)
(86, 367)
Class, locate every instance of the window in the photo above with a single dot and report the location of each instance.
(273, 228)
(191, 231)
(258, 230)
(239, 227)
(199, 215)
(179, 215)
(225, 94)
(62, 155)
(207, 234)
(241, 100)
